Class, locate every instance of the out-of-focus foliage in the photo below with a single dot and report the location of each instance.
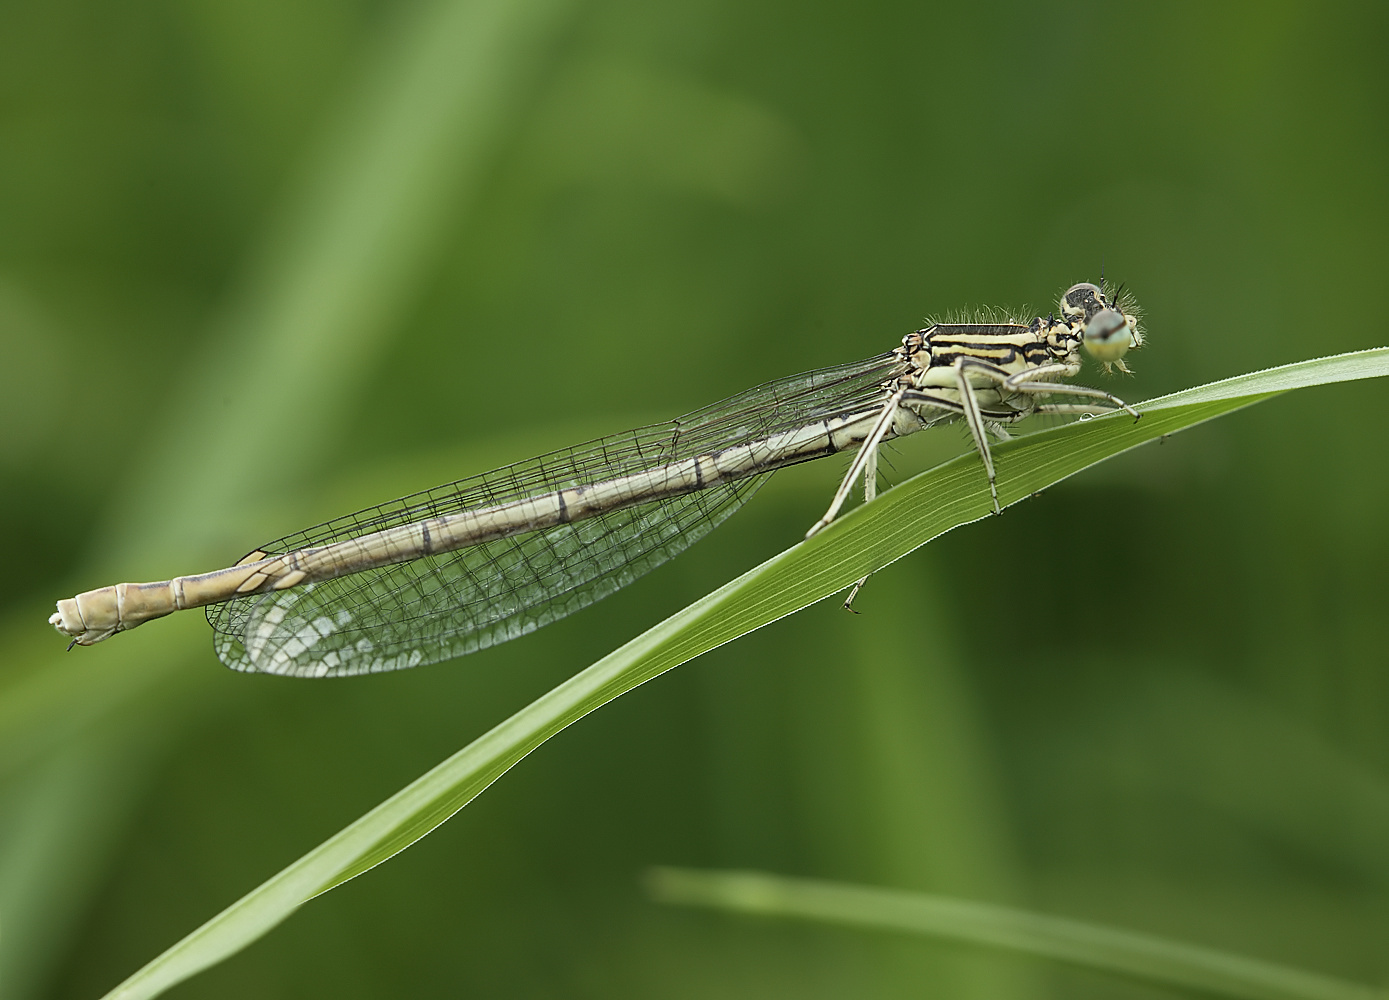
(1154, 960)
(261, 264)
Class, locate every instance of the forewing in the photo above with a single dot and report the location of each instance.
(452, 603)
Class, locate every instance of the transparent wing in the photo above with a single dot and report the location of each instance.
(452, 603)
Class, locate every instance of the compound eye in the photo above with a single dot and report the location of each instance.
(1082, 301)
(1108, 335)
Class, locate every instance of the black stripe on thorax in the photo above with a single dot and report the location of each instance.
(973, 331)
(1000, 355)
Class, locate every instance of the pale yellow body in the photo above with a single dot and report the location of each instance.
(989, 374)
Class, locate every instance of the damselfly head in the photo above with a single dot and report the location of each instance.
(1109, 335)
(1108, 331)
(1081, 302)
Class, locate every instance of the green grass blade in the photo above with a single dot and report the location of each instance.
(1140, 956)
(865, 540)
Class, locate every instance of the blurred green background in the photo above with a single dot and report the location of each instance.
(264, 263)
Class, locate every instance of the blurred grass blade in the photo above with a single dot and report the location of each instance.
(386, 189)
(399, 165)
(1153, 959)
(864, 541)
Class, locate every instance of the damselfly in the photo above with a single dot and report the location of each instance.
(451, 570)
